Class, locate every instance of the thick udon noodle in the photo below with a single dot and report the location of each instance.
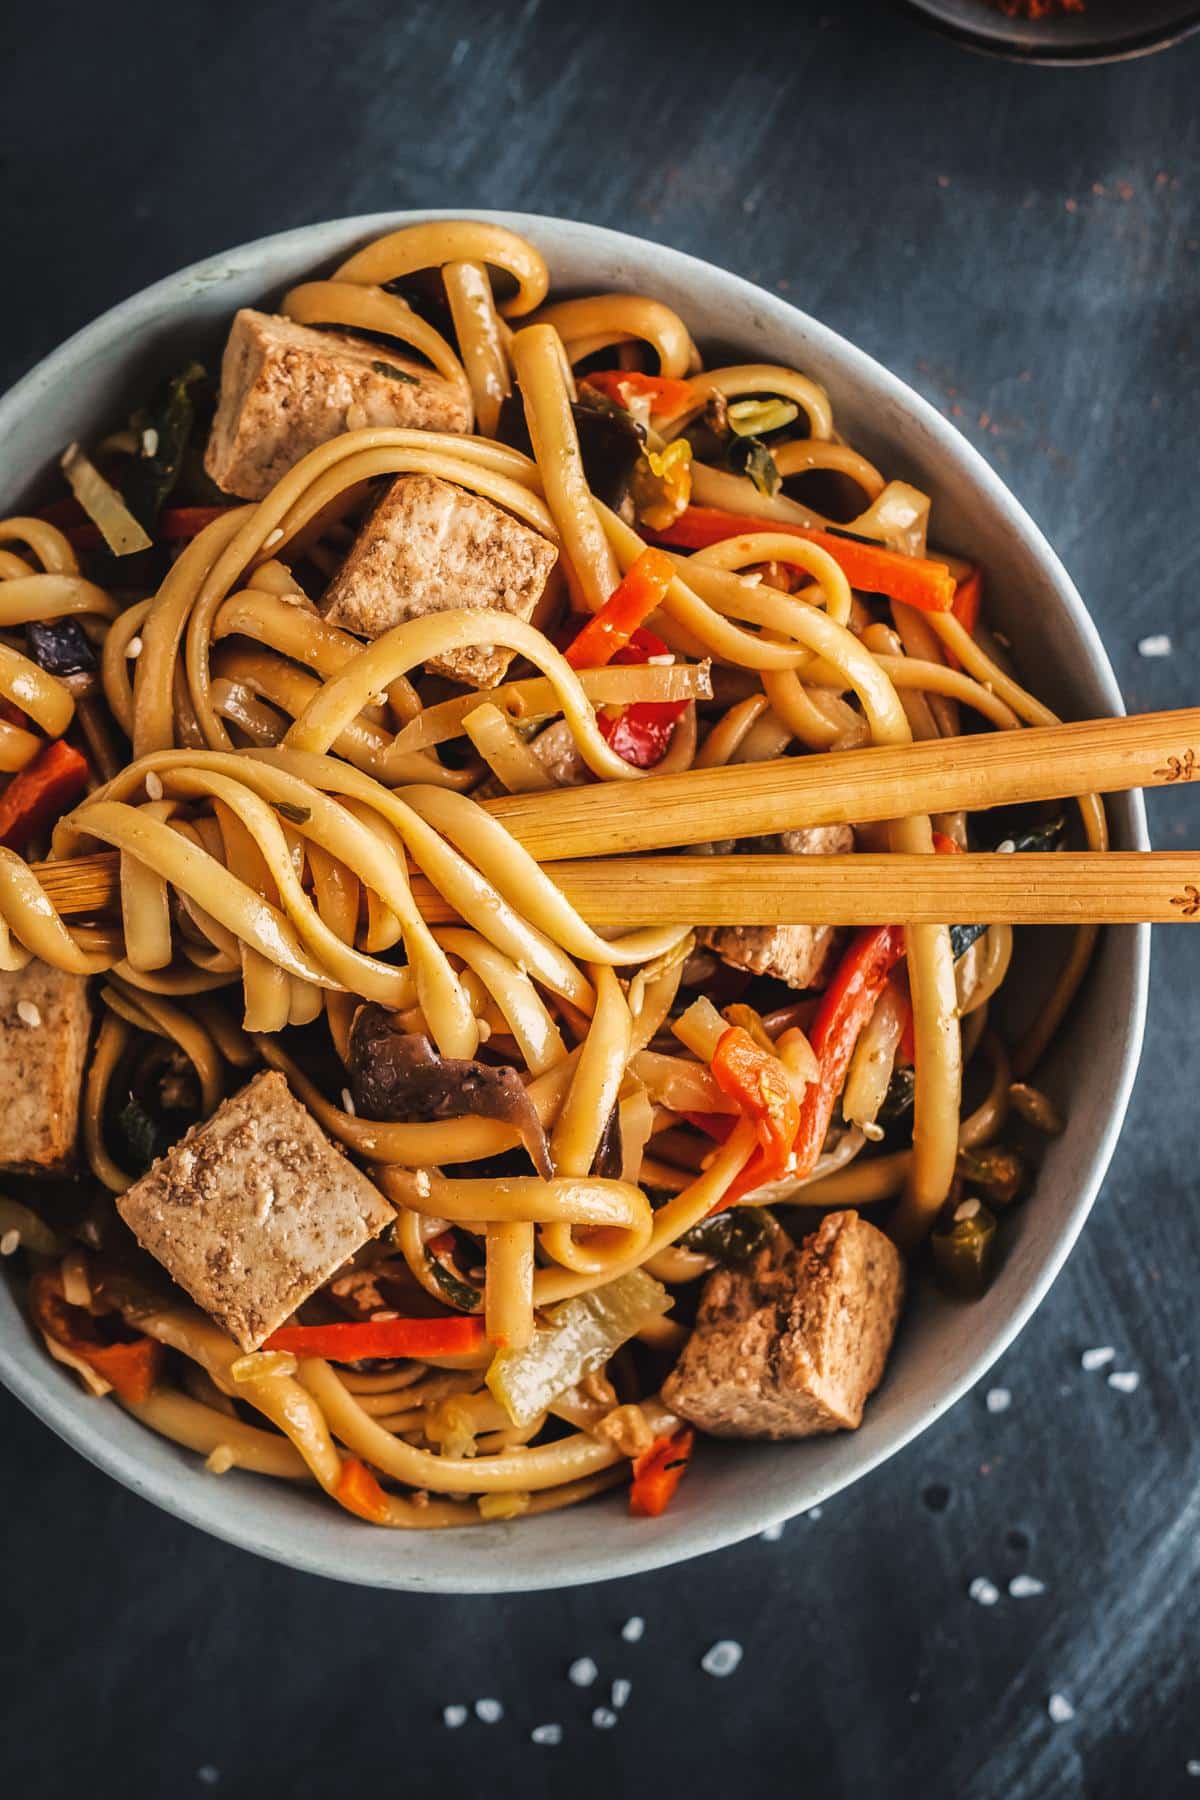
(270, 809)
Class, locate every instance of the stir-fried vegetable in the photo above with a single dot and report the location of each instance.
(580, 1335)
(658, 1472)
(998, 1173)
(657, 394)
(1037, 838)
(163, 429)
(919, 581)
(610, 440)
(757, 418)
(396, 1074)
(359, 1492)
(103, 505)
(749, 456)
(661, 484)
(757, 1080)
(630, 604)
(964, 1253)
(39, 794)
(363, 1340)
(61, 647)
(845, 1007)
(130, 1367)
(735, 1236)
(641, 734)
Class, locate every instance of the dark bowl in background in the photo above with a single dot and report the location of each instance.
(1104, 32)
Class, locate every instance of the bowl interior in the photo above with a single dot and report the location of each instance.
(1106, 28)
(732, 1491)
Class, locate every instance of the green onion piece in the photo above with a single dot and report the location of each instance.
(390, 369)
(964, 1254)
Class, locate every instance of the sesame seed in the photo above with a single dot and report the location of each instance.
(1124, 1380)
(219, 1460)
(772, 1534)
(604, 1718)
(1007, 848)
(723, 1658)
(28, 1013)
(348, 1101)
(814, 1513)
(209, 1774)
(582, 1671)
(484, 1029)
(621, 1690)
(1026, 1587)
(133, 648)
(422, 1183)
(1091, 1360)
(983, 1591)
(998, 1400)
(149, 441)
(546, 1734)
(1060, 1709)
(873, 1133)
(454, 1716)
(966, 1210)
(633, 1630)
(1193, 1767)
(154, 786)
(273, 537)
(383, 1317)
(1159, 644)
(661, 662)
(10, 1242)
(489, 1712)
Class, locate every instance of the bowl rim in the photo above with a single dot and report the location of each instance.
(715, 1528)
(1019, 41)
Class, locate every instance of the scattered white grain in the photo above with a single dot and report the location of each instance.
(1060, 1709)
(154, 786)
(1157, 645)
(133, 648)
(582, 1672)
(1007, 848)
(1091, 1360)
(814, 1513)
(273, 537)
(29, 1014)
(489, 1712)
(1193, 1767)
(1026, 1587)
(604, 1718)
(484, 1030)
(1124, 1380)
(772, 1534)
(209, 1774)
(873, 1133)
(998, 1400)
(348, 1101)
(546, 1734)
(219, 1460)
(621, 1690)
(453, 1717)
(723, 1658)
(633, 1629)
(422, 1183)
(966, 1210)
(983, 1591)
(10, 1242)
(149, 441)
(662, 662)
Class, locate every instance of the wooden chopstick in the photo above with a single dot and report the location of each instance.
(1069, 887)
(1001, 768)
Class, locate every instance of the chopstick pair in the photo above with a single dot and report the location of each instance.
(615, 820)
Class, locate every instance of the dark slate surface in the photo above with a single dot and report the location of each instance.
(1024, 247)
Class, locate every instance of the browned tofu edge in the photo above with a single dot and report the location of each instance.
(42, 1068)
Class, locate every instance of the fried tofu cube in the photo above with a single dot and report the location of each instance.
(428, 547)
(286, 388)
(253, 1210)
(791, 1346)
(45, 1022)
(800, 955)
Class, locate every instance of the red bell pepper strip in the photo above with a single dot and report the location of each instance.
(39, 794)
(630, 604)
(757, 1080)
(658, 1472)
(359, 1340)
(131, 1368)
(359, 1492)
(968, 603)
(641, 734)
(845, 1007)
(917, 580)
(622, 385)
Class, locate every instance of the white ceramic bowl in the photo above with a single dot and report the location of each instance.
(733, 1490)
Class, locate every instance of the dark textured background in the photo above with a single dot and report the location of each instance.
(1022, 246)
